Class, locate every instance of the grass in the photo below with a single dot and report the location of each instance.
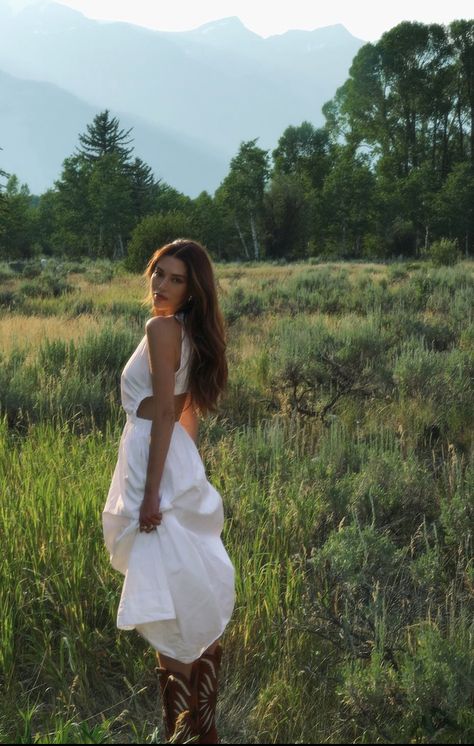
(351, 534)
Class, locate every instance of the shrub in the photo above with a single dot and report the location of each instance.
(444, 252)
(31, 270)
(7, 299)
(6, 272)
(151, 233)
(424, 696)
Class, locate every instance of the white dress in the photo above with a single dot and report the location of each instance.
(178, 590)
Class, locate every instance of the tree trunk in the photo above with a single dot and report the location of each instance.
(472, 132)
(242, 239)
(121, 252)
(254, 237)
(461, 131)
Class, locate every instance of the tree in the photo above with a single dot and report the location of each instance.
(462, 35)
(303, 150)
(102, 193)
(408, 104)
(398, 100)
(143, 188)
(207, 223)
(287, 216)
(74, 232)
(151, 233)
(17, 236)
(103, 138)
(111, 204)
(3, 203)
(347, 201)
(241, 192)
(455, 205)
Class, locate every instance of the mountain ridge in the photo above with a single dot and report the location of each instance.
(217, 85)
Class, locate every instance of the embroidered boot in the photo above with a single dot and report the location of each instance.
(179, 705)
(208, 666)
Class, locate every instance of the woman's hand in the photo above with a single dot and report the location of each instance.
(150, 516)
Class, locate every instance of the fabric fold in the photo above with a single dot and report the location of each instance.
(178, 589)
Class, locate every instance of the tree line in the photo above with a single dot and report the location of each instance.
(391, 171)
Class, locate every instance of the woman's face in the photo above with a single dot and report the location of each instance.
(170, 279)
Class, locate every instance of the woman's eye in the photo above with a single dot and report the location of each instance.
(159, 273)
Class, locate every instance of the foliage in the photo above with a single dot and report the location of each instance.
(151, 233)
(350, 533)
(444, 252)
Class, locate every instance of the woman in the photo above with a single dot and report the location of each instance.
(163, 519)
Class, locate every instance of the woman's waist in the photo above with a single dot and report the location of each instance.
(142, 423)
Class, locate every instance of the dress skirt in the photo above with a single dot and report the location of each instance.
(178, 589)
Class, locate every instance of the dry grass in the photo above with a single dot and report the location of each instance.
(30, 331)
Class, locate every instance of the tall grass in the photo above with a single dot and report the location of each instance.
(343, 452)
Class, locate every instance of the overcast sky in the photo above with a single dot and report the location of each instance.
(364, 19)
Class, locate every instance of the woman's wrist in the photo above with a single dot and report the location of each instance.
(150, 495)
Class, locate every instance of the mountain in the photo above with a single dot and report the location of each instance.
(40, 126)
(218, 84)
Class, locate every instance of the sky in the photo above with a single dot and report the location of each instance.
(364, 19)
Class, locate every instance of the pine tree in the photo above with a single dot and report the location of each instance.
(144, 188)
(104, 138)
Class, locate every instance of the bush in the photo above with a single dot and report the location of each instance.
(6, 272)
(7, 299)
(241, 303)
(444, 252)
(424, 696)
(151, 233)
(31, 270)
(46, 286)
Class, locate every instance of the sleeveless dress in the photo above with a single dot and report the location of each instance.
(178, 590)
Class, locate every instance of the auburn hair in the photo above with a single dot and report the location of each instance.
(203, 320)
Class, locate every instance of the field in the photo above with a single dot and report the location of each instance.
(343, 450)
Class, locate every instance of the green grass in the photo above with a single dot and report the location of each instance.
(343, 453)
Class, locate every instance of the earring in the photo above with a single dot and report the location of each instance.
(190, 298)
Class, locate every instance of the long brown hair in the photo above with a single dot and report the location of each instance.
(203, 320)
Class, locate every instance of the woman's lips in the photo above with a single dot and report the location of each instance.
(159, 295)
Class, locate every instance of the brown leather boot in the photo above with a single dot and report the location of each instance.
(180, 706)
(208, 666)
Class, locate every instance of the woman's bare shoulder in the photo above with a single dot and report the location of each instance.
(161, 323)
(163, 331)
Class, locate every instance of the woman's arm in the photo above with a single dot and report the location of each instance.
(162, 350)
(189, 419)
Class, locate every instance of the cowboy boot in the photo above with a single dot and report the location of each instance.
(179, 705)
(208, 666)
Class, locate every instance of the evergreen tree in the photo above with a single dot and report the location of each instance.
(102, 194)
(104, 137)
(144, 189)
(18, 222)
(74, 233)
(111, 206)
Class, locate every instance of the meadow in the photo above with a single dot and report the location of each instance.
(343, 450)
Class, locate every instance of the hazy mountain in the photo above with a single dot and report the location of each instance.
(218, 84)
(40, 125)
